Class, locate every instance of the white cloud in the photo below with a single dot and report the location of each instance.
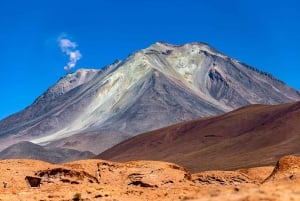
(69, 48)
(66, 43)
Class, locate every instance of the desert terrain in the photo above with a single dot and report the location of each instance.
(97, 179)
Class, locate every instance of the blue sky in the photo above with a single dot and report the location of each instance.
(264, 34)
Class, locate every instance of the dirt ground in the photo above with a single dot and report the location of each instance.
(146, 180)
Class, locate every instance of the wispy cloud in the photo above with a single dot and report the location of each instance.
(70, 48)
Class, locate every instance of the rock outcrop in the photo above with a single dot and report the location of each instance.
(287, 168)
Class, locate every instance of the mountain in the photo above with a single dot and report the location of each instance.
(33, 151)
(153, 88)
(252, 136)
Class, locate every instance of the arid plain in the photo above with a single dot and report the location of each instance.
(147, 180)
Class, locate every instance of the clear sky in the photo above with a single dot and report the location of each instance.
(261, 33)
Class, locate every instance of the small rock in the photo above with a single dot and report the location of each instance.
(5, 184)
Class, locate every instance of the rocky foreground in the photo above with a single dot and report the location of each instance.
(23, 179)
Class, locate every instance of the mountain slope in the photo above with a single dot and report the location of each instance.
(251, 136)
(32, 151)
(154, 87)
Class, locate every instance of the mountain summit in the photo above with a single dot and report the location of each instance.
(154, 87)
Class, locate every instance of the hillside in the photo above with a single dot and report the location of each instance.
(28, 150)
(251, 136)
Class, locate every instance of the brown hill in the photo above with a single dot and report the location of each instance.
(252, 136)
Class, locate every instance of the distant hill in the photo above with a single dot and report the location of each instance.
(29, 150)
(252, 136)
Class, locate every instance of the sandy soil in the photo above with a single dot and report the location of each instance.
(147, 180)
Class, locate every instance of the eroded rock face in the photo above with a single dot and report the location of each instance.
(288, 164)
(287, 168)
(143, 173)
(57, 175)
(222, 178)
